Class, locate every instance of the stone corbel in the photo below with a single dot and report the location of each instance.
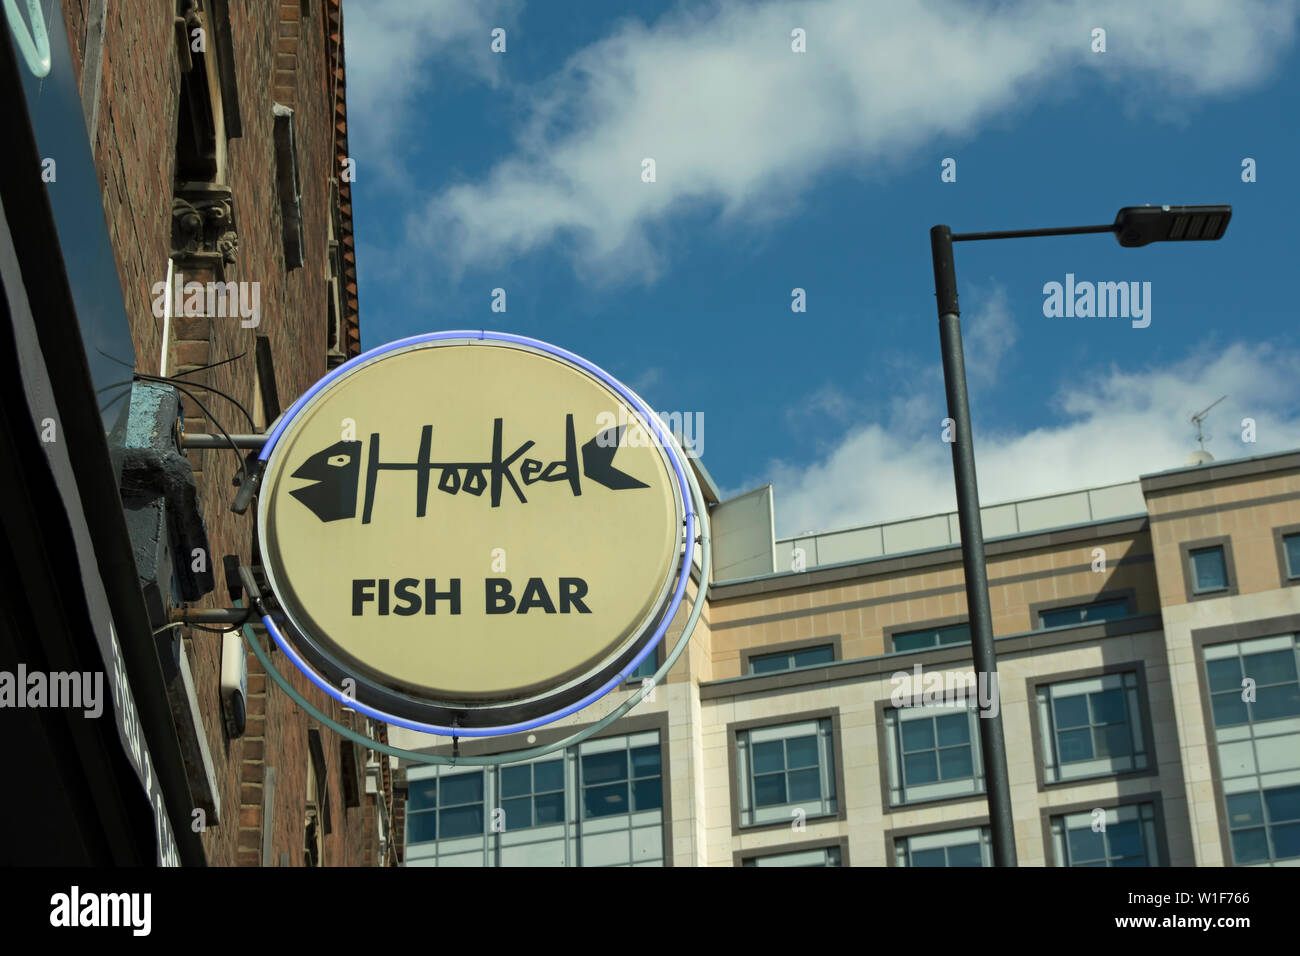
(203, 224)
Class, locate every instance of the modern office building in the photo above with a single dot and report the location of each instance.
(176, 253)
(825, 713)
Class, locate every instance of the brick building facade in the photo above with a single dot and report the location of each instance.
(219, 135)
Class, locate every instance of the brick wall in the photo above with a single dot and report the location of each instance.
(280, 54)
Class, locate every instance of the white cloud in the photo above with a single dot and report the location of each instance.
(391, 47)
(988, 335)
(646, 380)
(738, 124)
(829, 401)
(1114, 426)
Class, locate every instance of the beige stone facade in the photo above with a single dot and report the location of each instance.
(1157, 771)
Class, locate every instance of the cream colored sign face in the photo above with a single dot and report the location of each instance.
(469, 524)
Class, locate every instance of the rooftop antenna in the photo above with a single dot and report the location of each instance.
(1199, 417)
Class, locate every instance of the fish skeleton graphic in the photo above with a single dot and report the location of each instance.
(336, 472)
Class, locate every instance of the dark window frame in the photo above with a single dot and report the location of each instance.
(1228, 634)
(1152, 769)
(736, 728)
(894, 631)
(1153, 797)
(582, 786)
(1279, 535)
(892, 836)
(882, 708)
(533, 793)
(437, 808)
(748, 654)
(1185, 549)
(1036, 608)
(739, 857)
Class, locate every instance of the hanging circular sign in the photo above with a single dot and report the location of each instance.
(470, 530)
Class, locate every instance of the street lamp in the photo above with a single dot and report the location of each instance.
(1133, 226)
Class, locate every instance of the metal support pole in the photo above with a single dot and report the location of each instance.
(220, 615)
(202, 440)
(993, 745)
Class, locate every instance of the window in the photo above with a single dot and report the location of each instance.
(612, 778)
(1091, 727)
(932, 637)
(792, 660)
(969, 847)
(533, 794)
(1084, 613)
(1255, 709)
(334, 297)
(317, 816)
(266, 395)
(445, 807)
(1209, 570)
(445, 817)
(785, 769)
(313, 850)
(1272, 673)
(289, 184)
(822, 856)
(200, 137)
(1265, 825)
(646, 669)
(932, 753)
(1291, 555)
(599, 803)
(1127, 837)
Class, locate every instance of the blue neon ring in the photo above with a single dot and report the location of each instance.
(688, 552)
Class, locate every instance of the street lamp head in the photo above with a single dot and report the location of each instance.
(1139, 225)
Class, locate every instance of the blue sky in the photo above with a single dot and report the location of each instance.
(821, 170)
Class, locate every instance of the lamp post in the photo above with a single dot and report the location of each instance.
(1133, 226)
